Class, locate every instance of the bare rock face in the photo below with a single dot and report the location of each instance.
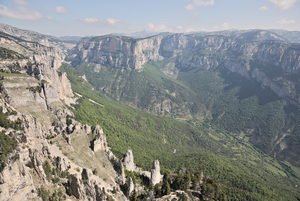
(123, 178)
(62, 165)
(24, 138)
(84, 188)
(130, 186)
(99, 193)
(86, 174)
(155, 173)
(16, 182)
(32, 127)
(68, 138)
(100, 139)
(77, 188)
(86, 129)
(97, 131)
(128, 161)
(37, 162)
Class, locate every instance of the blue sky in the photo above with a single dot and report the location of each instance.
(99, 17)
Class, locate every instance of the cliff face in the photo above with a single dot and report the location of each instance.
(60, 46)
(248, 58)
(116, 51)
(36, 96)
(131, 53)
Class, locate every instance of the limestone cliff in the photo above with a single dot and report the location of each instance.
(194, 51)
(33, 38)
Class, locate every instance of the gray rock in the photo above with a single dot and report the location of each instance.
(86, 129)
(122, 173)
(155, 173)
(128, 161)
(24, 138)
(97, 131)
(99, 142)
(130, 187)
(99, 193)
(77, 188)
(61, 164)
(86, 174)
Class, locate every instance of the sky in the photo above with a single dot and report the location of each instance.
(100, 17)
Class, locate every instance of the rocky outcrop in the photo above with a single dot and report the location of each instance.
(61, 164)
(34, 40)
(86, 129)
(77, 188)
(122, 173)
(16, 182)
(84, 188)
(99, 142)
(130, 186)
(128, 161)
(97, 131)
(156, 177)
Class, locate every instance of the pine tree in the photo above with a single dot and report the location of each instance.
(134, 196)
(166, 189)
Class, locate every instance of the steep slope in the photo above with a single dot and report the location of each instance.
(249, 35)
(227, 157)
(148, 89)
(239, 84)
(48, 155)
(291, 36)
(35, 120)
(61, 46)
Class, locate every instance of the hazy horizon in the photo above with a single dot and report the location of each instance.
(78, 18)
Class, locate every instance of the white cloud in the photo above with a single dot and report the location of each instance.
(61, 9)
(189, 30)
(179, 27)
(225, 26)
(20, 2)
(89, 20)
(20, 11)
(198, 3)
(284, 21)
(112, 21)
(283, 4)
(49, 17)
(163, 28)
(190, 7)
(263, 8)
(108, 21)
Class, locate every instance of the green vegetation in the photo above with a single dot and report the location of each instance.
(227, 100)
(137, 178)
(147, 89)
(9, 54)
(47, 196)
(35, 89)
(244, 172)
(8, 144)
